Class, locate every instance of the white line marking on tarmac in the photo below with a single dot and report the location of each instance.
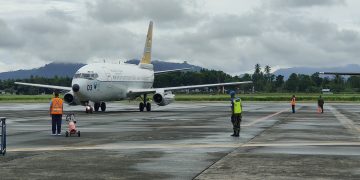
(302, 144)
(346, 122)
(265, 118)
(125, 146)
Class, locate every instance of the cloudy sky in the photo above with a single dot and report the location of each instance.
(229, 35)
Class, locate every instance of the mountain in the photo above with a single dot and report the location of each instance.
(69, 69)
(49, 70)
(309, 70)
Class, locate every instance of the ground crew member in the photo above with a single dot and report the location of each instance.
(236, 109)
(56, 111)
(293, 103)
(321, 104)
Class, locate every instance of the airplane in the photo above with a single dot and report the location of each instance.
(97, 83)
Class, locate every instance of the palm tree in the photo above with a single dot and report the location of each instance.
(267, 72)
(257, 68)
(267, 69)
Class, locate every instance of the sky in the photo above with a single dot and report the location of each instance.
(227, 35)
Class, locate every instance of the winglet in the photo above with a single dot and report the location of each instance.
(146, 59)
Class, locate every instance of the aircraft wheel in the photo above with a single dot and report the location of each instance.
(141, 107)
(96, 107)
(103, 106)
(148, 107)
(89, 109)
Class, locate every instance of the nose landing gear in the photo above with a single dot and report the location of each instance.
(89, 109)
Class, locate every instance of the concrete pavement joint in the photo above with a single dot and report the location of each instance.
(265, 118)
(241, 145)
(346, 122)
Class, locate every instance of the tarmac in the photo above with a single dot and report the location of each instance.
(185, 140)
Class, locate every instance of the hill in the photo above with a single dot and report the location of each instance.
(49, 71)
(309, 70)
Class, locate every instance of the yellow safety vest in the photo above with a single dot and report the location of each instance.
(237, 106)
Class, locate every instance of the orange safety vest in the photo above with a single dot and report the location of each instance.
(293, 101)
(56, 106)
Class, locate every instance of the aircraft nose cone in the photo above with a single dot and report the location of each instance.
(75, 87)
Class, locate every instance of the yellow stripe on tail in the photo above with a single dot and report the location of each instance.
(146, 59)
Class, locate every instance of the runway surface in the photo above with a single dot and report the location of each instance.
(185, 141)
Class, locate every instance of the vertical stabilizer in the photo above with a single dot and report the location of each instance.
(146, 59)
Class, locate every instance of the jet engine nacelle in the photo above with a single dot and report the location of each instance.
(163, 98)
(70, 99)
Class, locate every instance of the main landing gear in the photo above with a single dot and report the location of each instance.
(101, 106)
(97, 106)
(145, 104)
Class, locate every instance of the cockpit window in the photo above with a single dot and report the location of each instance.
(89, 75)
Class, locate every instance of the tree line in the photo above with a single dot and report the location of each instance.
(10, 87)
(263, 81)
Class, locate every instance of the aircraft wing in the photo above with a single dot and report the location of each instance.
(45, 86)
(340, 73)
(153, 90)
(172, 70)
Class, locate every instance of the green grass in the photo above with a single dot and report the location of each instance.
(284, 97)
(25, 98)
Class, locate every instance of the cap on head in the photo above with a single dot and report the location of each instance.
(232, 93)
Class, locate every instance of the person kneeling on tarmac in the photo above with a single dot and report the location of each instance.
(236, 108)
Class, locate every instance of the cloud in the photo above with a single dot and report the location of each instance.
(277, 33)
(8, 38)
(59, 14)
(80, 44)
(304, 3)
(44, 25)
(169, 12)
(235, 42)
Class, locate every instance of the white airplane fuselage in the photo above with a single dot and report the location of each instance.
(100, 82)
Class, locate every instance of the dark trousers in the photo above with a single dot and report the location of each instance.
(56, 123)
(236, 120)
(322, 108)
(293, 108)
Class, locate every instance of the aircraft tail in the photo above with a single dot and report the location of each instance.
(146, 59)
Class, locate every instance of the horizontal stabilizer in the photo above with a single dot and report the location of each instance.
(172, 70)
